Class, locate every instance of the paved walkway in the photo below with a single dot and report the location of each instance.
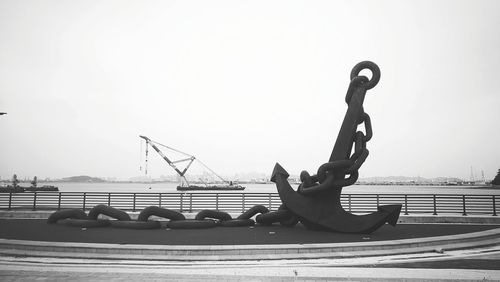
(448, 266)
(271, 273)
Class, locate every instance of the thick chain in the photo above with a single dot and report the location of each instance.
(344, 167)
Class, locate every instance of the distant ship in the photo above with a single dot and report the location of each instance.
(210, 188)
(15, 188)
(20, 189)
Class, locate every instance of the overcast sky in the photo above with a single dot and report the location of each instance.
(244, 84)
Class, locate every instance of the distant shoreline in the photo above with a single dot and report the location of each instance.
(409, 184)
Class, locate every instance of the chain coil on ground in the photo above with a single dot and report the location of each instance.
(203, 219)
(64, 214)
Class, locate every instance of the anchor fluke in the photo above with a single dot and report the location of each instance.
(278, 169)
(393, 212)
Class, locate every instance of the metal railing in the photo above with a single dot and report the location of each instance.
(239, 202)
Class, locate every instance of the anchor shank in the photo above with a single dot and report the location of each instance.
(343, 144)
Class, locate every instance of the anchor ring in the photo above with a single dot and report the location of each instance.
(372, 67)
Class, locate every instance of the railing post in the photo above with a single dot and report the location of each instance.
(109, 199)
(406, 204)
(494, 206)
(190, 202)
(10, 200)
(349, 197)
(463, 205)
(133, 204)
(269, 201)
(434, 203)
(34, 200)
(377, 200)
(159, 200)
(84, 199)
(59, 202)
(217, 201)
(243, 202)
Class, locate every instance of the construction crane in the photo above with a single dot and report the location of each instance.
(189, 159)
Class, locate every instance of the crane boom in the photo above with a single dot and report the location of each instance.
(170, 162)
(184, 185)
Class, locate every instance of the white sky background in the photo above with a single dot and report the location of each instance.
(244, 84)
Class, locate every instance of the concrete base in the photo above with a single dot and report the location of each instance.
(362, 261)
(239, 243)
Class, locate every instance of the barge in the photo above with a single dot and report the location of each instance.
(210, 188)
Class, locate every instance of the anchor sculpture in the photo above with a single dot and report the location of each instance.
(316, 203)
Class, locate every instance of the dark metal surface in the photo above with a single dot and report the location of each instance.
(316, 203)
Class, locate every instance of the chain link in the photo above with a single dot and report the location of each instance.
(340, 169)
